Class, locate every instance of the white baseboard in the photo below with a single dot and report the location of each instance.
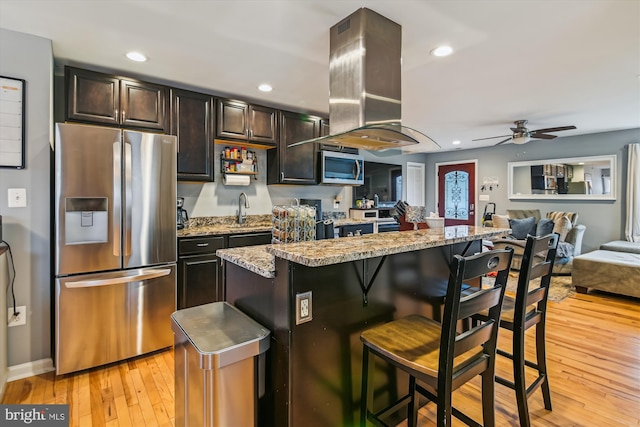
(29, 369)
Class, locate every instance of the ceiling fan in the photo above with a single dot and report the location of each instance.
(522, 135)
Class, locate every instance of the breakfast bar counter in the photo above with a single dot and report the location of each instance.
(317, 297)
(260, 259)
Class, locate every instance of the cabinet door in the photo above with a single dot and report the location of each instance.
(232, 119)
(324, 131)
(92, 97)
(199, 272)
(192, 123)
(143, 105)
(297, 165)
(199, 280)
(262, 124)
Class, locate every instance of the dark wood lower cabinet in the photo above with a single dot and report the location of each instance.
(200, 276)
(199, 280)
(199, 271)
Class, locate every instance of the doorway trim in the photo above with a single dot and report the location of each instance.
(475, 167)
(416, 186)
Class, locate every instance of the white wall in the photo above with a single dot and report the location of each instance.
(27, 230)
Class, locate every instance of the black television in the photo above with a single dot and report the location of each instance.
(382, 179)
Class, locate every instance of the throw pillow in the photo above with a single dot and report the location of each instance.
(500, 221)
(524, 213)
(555, 216)
(544, 227)
(562, 227)
(521, 227)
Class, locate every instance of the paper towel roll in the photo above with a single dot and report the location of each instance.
(236, 179)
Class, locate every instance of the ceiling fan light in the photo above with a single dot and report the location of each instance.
(521, 139)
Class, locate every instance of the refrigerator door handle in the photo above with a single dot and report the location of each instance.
(144, 275)
(127, 198)
(117, 197)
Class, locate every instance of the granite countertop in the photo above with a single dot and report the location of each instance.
(221, 225)
(260, 259)
(252, 258)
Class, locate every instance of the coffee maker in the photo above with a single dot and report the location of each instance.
(182, 216)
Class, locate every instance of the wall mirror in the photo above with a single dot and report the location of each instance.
(577, 178)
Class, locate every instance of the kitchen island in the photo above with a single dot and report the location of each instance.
(313, 367)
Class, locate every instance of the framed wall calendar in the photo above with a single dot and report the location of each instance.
(12, 123)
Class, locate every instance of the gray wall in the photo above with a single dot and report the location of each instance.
(605, 220)
(27, 230)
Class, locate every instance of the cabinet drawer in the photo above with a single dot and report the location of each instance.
(249, 239)
(199, 245)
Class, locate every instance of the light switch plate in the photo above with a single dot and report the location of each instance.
(484, 198)
(17, 198)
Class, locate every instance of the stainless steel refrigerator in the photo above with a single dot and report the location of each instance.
(115, 244)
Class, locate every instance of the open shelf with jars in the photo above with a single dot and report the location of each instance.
(238, 161)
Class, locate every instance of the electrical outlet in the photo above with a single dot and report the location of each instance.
(303, 307)
(20, 318)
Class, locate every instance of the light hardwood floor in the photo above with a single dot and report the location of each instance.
(593, 353)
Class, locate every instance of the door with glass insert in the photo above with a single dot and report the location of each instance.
(456, 193)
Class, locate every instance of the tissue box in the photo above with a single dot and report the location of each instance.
(435, 222)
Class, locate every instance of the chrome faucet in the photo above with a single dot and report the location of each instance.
(246, 205)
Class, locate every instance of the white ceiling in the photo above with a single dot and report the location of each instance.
(555, 63)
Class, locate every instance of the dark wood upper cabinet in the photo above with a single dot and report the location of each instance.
(95, 97)
(294, 165)
(192, 122)
(92, 97)
(263, 124)
(324, 131)
(232, 119)
(143, 104)
(324, 127)
(240, 121)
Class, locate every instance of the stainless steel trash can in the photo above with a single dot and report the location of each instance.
(216, 365)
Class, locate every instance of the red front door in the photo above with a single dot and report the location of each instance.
(456, 193)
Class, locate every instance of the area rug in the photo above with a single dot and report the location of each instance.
(559, 289)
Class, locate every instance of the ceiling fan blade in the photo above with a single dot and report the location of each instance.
(558, 129)
(543, 136)
(503, 141)
(491, 137)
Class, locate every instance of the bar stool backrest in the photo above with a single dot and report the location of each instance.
(452, 344)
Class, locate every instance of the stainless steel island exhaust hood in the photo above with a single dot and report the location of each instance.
(365, 88)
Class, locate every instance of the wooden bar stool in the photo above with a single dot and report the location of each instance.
(434, 353)
(529, 309)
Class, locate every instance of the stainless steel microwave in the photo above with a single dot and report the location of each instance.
(342, 168)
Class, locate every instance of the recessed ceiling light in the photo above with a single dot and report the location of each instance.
(456, 142)
(136, 56)
(442, 51)
(264, 87)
